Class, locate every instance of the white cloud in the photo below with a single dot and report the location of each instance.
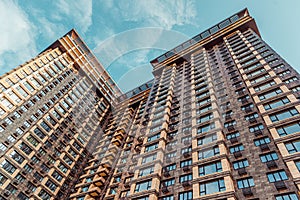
(165, 14)
(80, 11)
(16, 36)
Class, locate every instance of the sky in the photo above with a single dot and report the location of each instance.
(126, 35)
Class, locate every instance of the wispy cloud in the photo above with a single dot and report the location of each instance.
(80, 11)
(159, 13)
(17, 34)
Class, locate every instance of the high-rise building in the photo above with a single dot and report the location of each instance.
(220, 120)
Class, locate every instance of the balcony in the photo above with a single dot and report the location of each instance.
(99, 181)
(271, 164)
(247, 192)
(94, 192)
(102, 172)
(280, 185)
(165, 189)
(186, 184)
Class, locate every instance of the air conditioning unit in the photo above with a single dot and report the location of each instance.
(247, 192)
(165, 189)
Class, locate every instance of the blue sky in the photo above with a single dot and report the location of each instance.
(125, 35)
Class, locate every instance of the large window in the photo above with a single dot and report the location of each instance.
(207, 139)
(154, 137)
(277, 176)
(146, 171)
(151, 147)
(208, 153)
(276, 104)
(284, 115)
(245, 183)
(17, 157)
(288, 129)
(293, 146)
(270, 94)
(205, 118)
(45, 126)
(146, 185)
(25, 148)
(210, 168)
(206, 128)
(8, 167)
(212, 187)
(149, 158)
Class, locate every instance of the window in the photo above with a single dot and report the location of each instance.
(236, 148)
(256, 72)
(205, 128)
(184, 178)
(276, 104)
(268, 157)
(245, 183)
(143, 186)
(208, 153)
(270, 94)
(44, 195)
(207, 139)
(8, 167)
(151, 147)
(17, 157)
(253, 129)
(205, 118)
(229, 124)
(277, 176)
(57, 176)
(205, 109)
(45, 126)
(240, 164)
(146, 171)
(52, 186)
(168, 183)
(6, 103)
(25, 148)
(186, 195)
(290, 196)
(284, 115)
(261, 141)
(232, 135)
(170, 167)
(210, 168)
(212, 187)
(2, 179)
(264, 86)
(28, 86)
(252, 116)
(32, 140)
(186, 163)
(149, 158)
(293, 146)
(168, 198)
(39, 133)
(290, 80)
(154, 137)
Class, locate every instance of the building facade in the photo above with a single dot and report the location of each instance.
(220, 120)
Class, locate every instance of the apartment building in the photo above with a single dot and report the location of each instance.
(220, 120)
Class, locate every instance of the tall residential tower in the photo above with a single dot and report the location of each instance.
(220, 120)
